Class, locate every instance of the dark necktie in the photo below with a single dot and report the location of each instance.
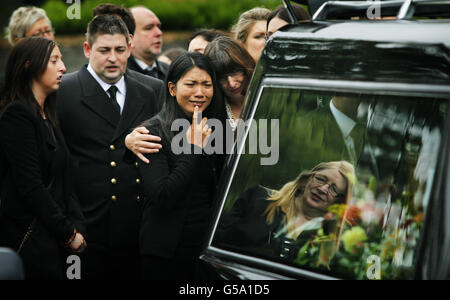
(358, 138)
(112, 92)
(153, 72)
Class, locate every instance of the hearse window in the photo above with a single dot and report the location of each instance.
(346, 195)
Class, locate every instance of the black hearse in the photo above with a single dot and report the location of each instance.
(382, 68)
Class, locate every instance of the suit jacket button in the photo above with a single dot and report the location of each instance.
(112, 147)
(113, 181)
(113, 164)
(136, 164)
(138, 198)
(113, 198)
(138, 181)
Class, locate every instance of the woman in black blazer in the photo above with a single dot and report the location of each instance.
(179, 187)
(39, 213)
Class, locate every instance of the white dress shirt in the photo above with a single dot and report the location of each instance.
(121, 87)
(346, 125)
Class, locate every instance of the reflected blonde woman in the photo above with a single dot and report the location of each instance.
(271, 221)
(310, 194)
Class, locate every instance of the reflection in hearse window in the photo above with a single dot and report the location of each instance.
(371, 229)
(276, 220)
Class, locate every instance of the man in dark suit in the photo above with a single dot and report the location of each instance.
(97, 107)
(147, 44)
(133, 70)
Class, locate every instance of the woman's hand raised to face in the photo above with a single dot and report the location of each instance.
(78, 244)
(198, 133)
(140, 142)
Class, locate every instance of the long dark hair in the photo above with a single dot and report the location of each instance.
(229, 56)
(281, 12)
(28, 61)
(171, 110)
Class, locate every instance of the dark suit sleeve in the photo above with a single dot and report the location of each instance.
(245, 224)
(75, 214)
(164, 184)
(161, 95)
(21, 150)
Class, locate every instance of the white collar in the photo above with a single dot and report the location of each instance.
(345, 123)
(105, 86)
(143, 65)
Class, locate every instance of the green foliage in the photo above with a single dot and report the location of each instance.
(174, 14)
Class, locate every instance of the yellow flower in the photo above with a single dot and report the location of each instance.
(338, 209)
(353, 237)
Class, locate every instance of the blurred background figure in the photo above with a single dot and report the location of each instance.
(29, 21)
(147, 44)
(279, 17)
(250, 30)
(118, 11)
(201, 38)
(169, 56)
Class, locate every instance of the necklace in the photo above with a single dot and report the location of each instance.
(230, 116)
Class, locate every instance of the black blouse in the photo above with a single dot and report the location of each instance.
(178, 205)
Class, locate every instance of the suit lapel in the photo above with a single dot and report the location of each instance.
(132, 64)
(96, 99)
(134, 104)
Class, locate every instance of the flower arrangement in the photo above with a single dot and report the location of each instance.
(365, 240)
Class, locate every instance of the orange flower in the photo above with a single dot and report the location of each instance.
(353, 214)
(418, 218)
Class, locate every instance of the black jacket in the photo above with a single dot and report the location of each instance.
(161, 68)
(179, 201)
(36, 184)
(245, 225)
(108, 188)
(156, 84)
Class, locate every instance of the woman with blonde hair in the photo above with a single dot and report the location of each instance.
(250, 30)
(264, 218)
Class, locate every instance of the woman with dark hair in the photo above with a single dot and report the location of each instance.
(279, 17)
(169, 55)
(234, 68)
(201, 38)
(39, 213)
(179, 183)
